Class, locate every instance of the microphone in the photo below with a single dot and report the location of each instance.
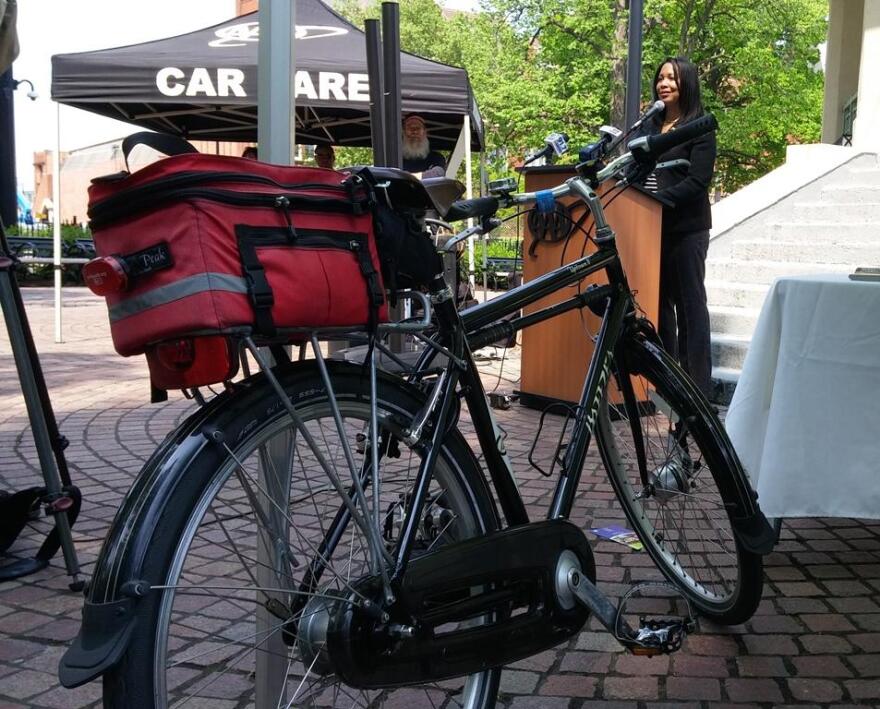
(652, 111)
(595, 151)
(556, 144)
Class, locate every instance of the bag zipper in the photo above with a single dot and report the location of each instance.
(184, 179)
(105, 212)
(304, 238)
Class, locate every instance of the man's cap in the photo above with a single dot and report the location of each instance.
(413, 116)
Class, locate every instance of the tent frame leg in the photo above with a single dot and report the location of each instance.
(61, 498)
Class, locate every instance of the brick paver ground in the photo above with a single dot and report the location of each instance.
(815, 640)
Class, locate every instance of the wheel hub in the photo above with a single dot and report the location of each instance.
(672, 478)
(312, 633)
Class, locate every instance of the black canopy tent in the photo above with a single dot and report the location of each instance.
(203, 85)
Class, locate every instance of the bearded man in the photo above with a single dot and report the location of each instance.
(417, 154)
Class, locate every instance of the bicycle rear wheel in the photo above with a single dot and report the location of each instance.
(221, 627)
(682, 513)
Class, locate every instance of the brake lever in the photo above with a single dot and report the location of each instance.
(486, 225)
(449, 246)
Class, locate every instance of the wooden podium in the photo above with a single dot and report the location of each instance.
(556, 353)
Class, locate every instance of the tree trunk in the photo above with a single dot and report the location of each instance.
(618, 64)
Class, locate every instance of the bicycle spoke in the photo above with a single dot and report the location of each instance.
(281, 510)
(275, 508)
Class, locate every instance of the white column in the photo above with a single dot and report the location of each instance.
(56, 222)
(841, 63)
(866, 130)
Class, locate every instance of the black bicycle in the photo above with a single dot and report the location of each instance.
(322, 533)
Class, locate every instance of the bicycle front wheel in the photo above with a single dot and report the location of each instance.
(258, 545)
(682, 511)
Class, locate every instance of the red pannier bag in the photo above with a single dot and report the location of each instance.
(195, 245)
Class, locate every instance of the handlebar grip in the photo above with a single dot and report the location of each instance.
(468, 208)
(658, 144)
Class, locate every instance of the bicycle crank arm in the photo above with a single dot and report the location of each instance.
(653, 637)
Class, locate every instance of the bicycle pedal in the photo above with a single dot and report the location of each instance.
(656, 636)
(660, 636)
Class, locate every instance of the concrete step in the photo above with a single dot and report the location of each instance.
(724, 381)
(729, 351)
(727, 374)
(838, 212)
(819, 251)
(860, 193)
(823, 231)
(733, 320)
(765, 272)
(732, 293)
(866, 172)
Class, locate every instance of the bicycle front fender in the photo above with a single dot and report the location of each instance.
(751, 527)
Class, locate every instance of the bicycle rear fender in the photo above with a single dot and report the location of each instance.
(114, 590)
(119, 583)
(749, 524)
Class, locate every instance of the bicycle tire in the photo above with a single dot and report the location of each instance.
(184, 645)
(683, 516)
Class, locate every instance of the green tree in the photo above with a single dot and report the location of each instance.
(543, 65)
(758, 61)
(510, 87)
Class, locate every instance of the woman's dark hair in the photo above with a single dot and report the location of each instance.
(685, 72)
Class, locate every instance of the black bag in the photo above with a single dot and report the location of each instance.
(407, 253)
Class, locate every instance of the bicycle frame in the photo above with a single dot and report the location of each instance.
(617, 303)
(613, 301)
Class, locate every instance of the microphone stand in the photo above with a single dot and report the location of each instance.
(651, 111)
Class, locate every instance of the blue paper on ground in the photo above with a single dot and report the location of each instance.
(621, 535)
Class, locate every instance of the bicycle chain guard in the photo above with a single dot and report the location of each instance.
(467, 607)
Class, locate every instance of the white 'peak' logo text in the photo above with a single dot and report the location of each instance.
(239, 35)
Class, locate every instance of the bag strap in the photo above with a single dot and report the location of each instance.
(161, 142)
(258, 286)
(375, 294)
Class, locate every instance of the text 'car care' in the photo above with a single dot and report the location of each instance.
(222, 82)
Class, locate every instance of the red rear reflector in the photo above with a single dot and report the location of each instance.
(192, 362)
(177, 355)
(105, 275)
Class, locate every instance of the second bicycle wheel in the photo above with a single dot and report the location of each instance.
(256, 548)
(682, 511)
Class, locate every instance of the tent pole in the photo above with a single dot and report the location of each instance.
(391, 75)
(56, 221)
(276, 105)
(377, 91)
(276, 124)
(456, 157)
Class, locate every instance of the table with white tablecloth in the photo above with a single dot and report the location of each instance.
(805, 416)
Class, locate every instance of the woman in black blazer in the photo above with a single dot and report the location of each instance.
(684, 312)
